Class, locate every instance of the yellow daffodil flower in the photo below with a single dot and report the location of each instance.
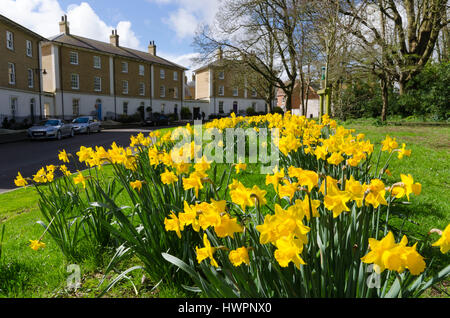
(63, 156)
(444, 241)
(239, 256)
(206, 252)
(36, 245)
(136, 185)
(168, 177)
(20, 181)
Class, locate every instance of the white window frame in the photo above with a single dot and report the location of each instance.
(162, 74)
(254, 93)
(175, 76)
(175, 92)
(30, 78)
(221, 75)
(29, 48)
(163, 106)
(10, 40)
(12, 74)
(141, 70)
(162, 91)
(235, 91)
(125, 87)
(221, 109)
(124, 67)
(142, 89)
(73, 57)
(97, 84)
(221, 90)
(75, 79)
(97, 62)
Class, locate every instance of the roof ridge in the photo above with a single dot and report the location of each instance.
(78, 38)
(128, 51)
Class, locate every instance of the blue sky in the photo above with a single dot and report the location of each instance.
(170, 23)
(146, 18)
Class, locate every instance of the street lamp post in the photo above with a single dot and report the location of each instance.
(38, 72)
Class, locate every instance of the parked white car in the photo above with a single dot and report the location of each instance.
(51, 129)
(86, 125)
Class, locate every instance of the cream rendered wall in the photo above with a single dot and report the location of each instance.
(23, 109)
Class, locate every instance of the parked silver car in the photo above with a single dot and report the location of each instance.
(52, 129)
(86, 125)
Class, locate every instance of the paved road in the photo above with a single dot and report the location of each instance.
(27, 157)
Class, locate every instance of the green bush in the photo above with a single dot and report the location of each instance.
(129, 118)
(428, 94)
(426, 97)
(250, 111)
(186, 113)
(277, 110)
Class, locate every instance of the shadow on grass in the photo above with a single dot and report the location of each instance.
(419, 211)
(14, 278)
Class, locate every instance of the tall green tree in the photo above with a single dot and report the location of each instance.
(414, 28)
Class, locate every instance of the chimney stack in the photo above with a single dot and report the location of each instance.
(64, 25)
(152, 48)
(219, 53)
(114, 38)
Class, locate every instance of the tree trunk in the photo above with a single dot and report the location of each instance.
(302, 94)
(384, 97)
(288, 100)
(402, 86)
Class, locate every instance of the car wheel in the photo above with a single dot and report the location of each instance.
(58, 135)
(72, 133)
(88, 131)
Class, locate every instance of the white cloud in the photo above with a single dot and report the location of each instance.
(189, 15)
(40, 16)
(183, 22)
(43, 16)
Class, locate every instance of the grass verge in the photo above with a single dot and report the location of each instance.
(25, 273)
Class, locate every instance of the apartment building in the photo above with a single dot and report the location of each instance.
(20, 82)
(106, 80)
(226, 89)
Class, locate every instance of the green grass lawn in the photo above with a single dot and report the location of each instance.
(27, 273)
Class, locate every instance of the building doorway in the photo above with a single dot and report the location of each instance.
(32, 109)
(235, 107)
(98, 107)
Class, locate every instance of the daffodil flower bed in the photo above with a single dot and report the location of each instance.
(325, 233)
